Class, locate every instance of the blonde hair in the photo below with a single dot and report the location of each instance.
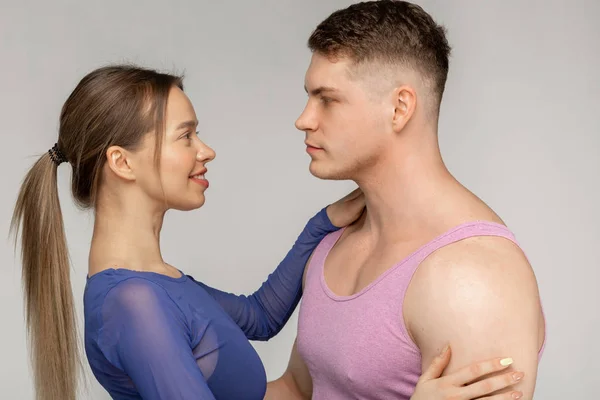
(114, 105)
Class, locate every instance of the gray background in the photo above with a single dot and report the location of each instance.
(519, 127)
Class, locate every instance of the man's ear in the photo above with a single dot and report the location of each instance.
(405, 104)
(119, 161)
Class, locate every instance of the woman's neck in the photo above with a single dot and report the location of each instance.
(127, 235)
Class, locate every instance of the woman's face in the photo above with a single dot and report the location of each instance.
(181, 184)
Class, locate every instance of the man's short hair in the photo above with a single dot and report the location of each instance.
(391, 32)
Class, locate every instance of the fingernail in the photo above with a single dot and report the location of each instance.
(517, 376)
(517, 395)
(445, 350)
(505, 362)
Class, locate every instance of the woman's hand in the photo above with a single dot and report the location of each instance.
(458, 386)
(347, 209)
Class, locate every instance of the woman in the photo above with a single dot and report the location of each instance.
(151, 331)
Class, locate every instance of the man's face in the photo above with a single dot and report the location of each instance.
(347, 127)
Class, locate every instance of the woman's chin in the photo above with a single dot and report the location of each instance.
(189, 205)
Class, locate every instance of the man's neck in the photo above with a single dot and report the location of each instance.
(404, 192)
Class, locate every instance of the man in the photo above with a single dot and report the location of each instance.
(429, 262)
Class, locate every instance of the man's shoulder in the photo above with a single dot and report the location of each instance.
(472, 274)
(477, 281)
(479, 248)
(489, 260)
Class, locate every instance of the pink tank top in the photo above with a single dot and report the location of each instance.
(357, 347)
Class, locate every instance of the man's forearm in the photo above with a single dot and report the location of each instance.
(284, 388)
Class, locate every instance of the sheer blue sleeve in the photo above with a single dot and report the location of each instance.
(144, 334)
(264, 313)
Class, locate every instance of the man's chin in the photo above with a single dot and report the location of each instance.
(320, 171)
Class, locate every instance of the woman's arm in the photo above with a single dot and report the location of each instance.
(263, 314)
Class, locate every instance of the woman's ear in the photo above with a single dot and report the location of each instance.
(119, 162)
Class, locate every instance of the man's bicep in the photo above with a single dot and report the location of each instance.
(300, 373)
(483, 312)
(295, 383)
(306, 269)
(480, 340)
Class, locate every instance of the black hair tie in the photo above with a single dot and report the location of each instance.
(56, 155)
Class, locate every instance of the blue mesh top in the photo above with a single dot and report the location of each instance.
(151, 336)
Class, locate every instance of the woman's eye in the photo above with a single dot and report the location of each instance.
(189, 135)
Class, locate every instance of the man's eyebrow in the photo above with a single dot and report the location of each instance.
(320, 90)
